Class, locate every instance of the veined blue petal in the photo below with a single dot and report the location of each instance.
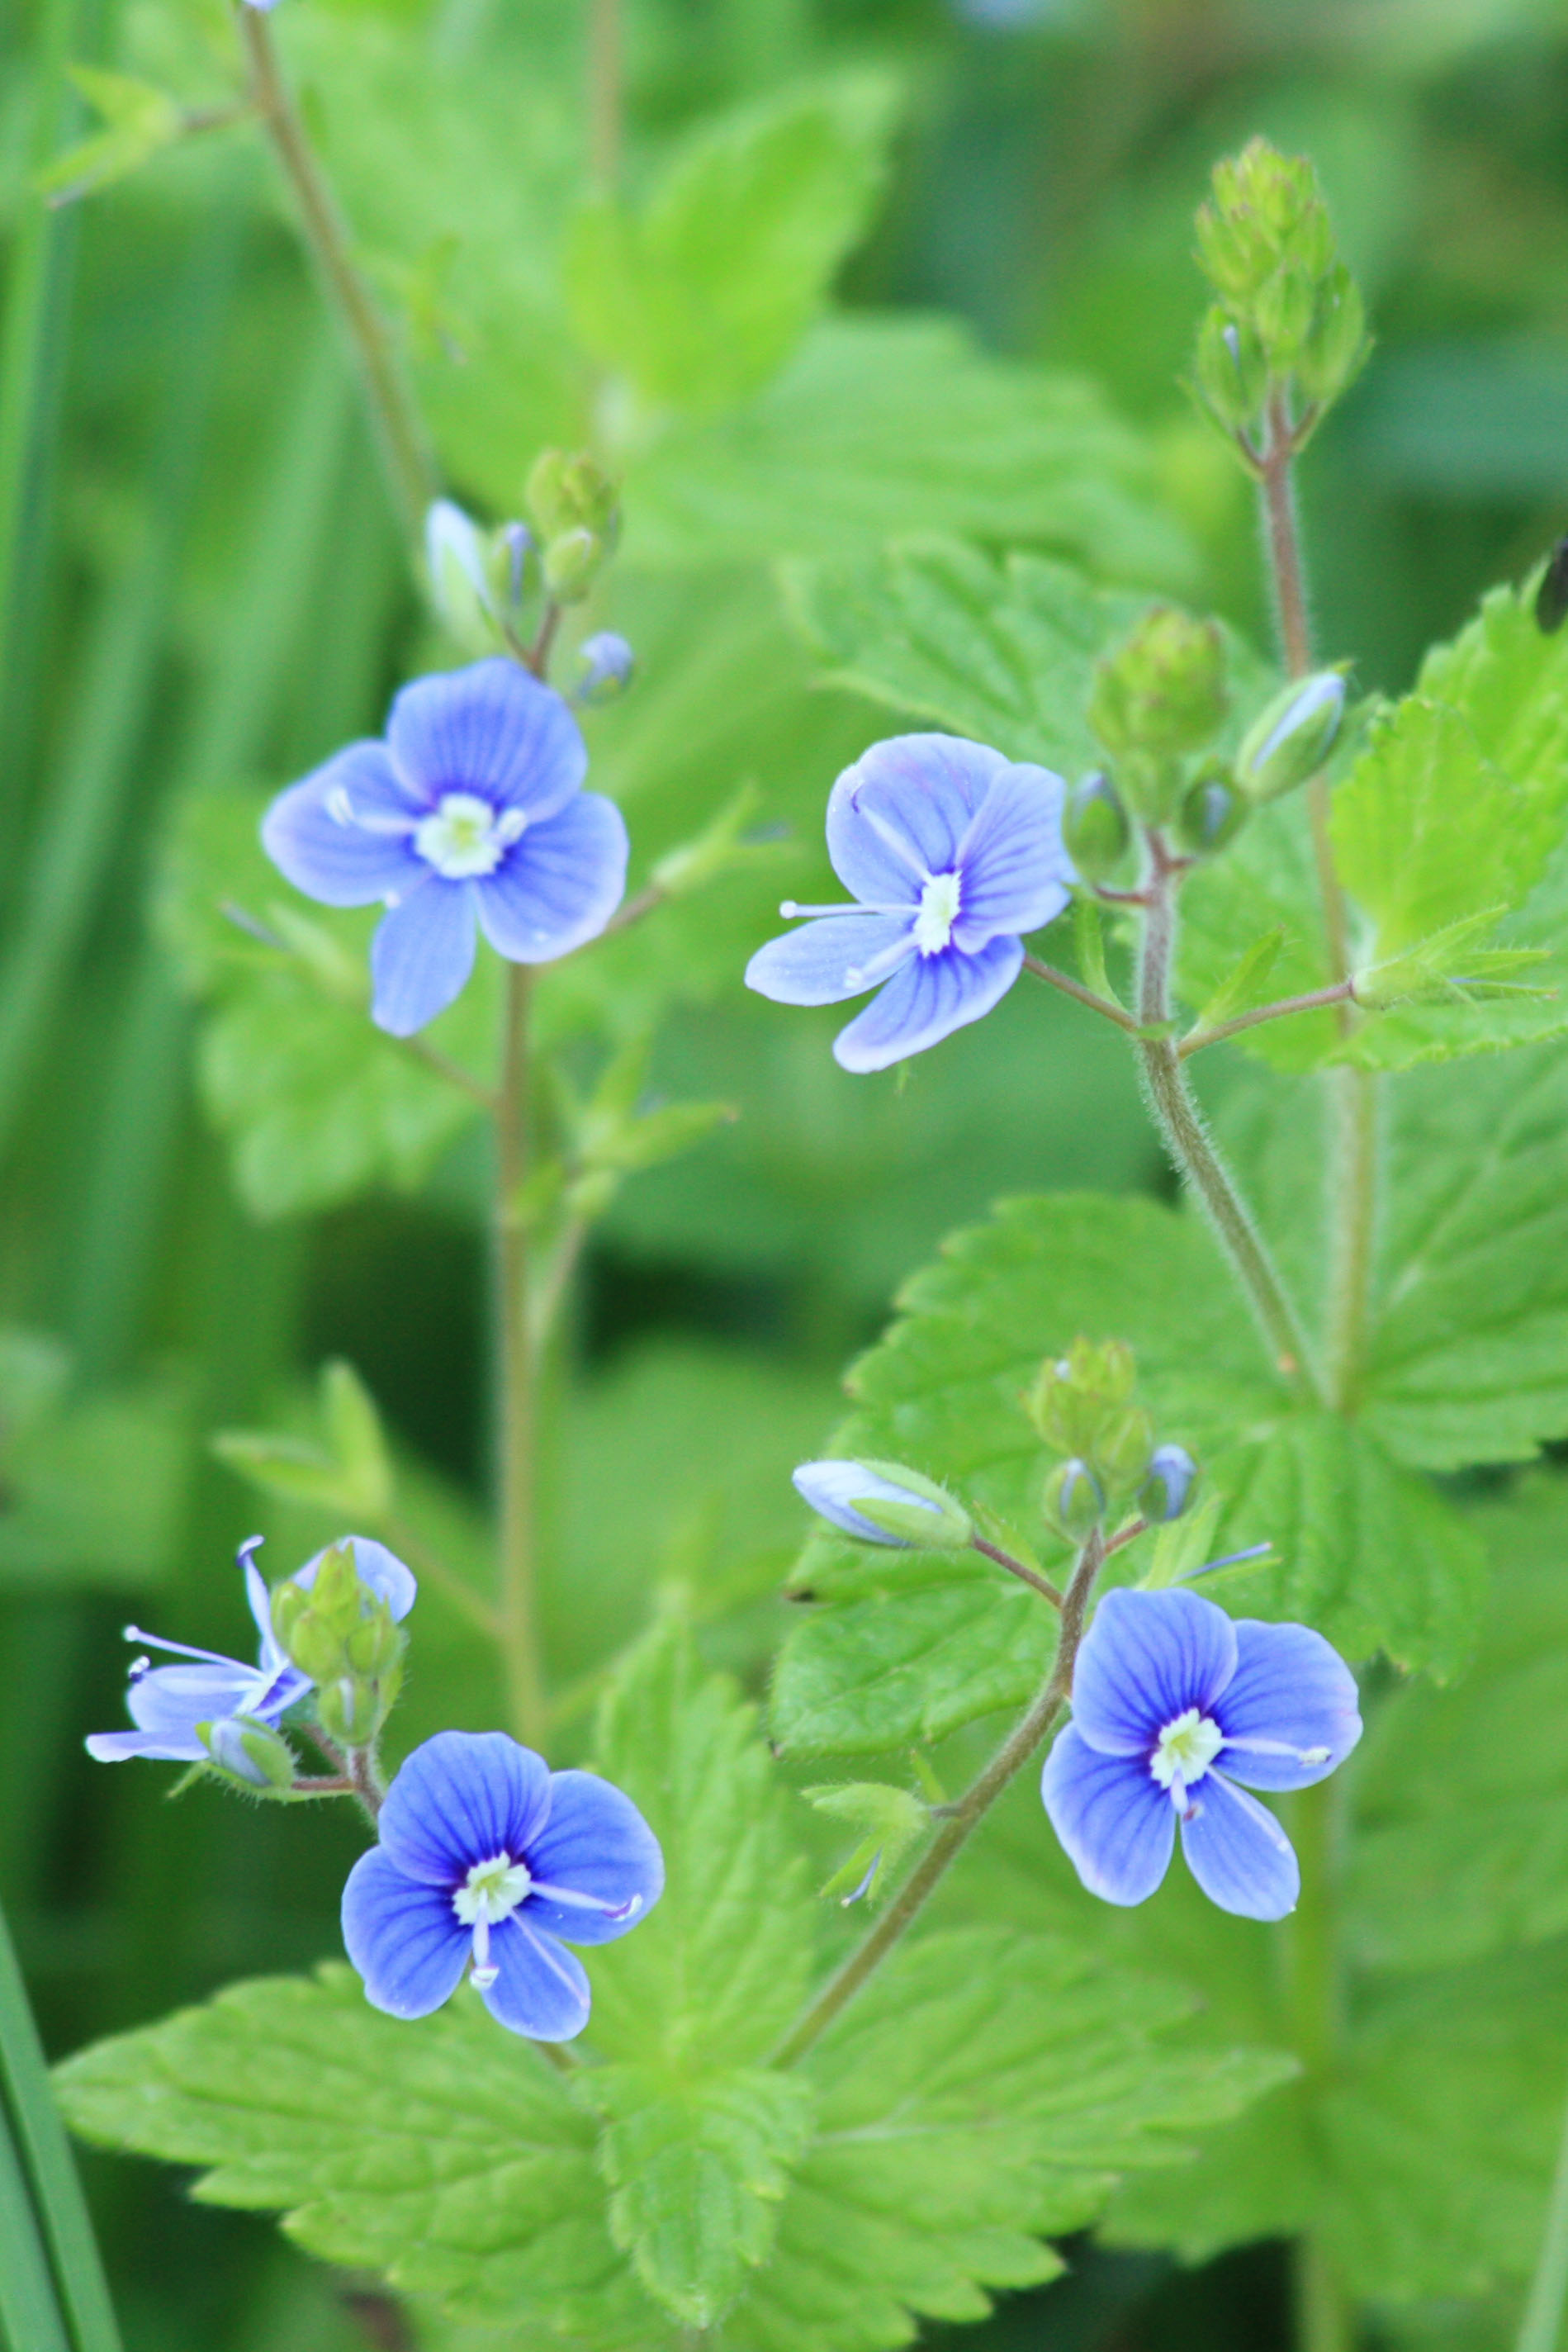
(344, 835)
(540, 1988)
(170, 1701)
(900, 812)
(1014, 870)
(462, 1797)
(1115, 1820)
(926, 999)
(1291, 1712)
(491, 729)
(405, 1939)
(825, 961)
(376, 1566)
(120, 1747)
(1238, 1853)
(559, 886)
(597, 1847)
(1147, 1658)
(421, 954)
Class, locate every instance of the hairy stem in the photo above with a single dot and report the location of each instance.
(1080, 994)
(1313, 1001)
(397, 421)
(960, 1821)
(1181, 1124)
(520, 1635)
(1541, 2329)
(1042, 1584)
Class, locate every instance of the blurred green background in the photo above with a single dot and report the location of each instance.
(204, 592)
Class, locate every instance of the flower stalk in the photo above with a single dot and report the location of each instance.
(959, 1821)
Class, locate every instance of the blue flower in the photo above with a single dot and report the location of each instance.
(834, 1488)
(468, 814)
(167, 1703)
(952, 852)
(1165, 1687)
(485, 1852)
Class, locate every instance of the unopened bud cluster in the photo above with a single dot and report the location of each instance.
(1287, 333)
(1085, 1406)
(343, 1635)
(491, 588)
(576, 513)
(1156, 704)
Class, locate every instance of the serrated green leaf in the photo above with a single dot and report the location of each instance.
(984, 2091)
(881, 425)
(719, 1971)
(447, 2154)
(1427, 831)
(700, 297)
(1461, 1844)
(1268, 874)
(699, 2173)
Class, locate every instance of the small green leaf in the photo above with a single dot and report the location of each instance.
(350, 1475)
(699, 299)
(140, 121)
(1242, 988)
(699, 2173)
(890, 1821)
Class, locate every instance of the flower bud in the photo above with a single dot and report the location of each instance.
(1094, 829)
(1166, 1490)
(571, 493)
(1211, 813)
(1072, 1503)
(1291, 736)
(252, 1753)
(350, 1710)
(1164, 692)
(608, 663)
(886, 1503)
(1337, 342)
(1265, 209)
(460, 585)
(1076, 1396)
(1231, 370)
(1122, 1446)
(571, 564)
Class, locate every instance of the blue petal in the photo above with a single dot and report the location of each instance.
(899, 813)
(170, 1702)
(375, 1566)
(461, 1797)
(406, 1940)
(1237, 1851)
(1291, 1690)
(597, 1844)
(117, 1746)
(926, 999)
(822, 963)
(560, 883)
(540, 1988)
(834, 1488)
(1015, 871)
(492, 730)
(421, 954)
(1147, 1658)
(332, 857)
(1115, 1821)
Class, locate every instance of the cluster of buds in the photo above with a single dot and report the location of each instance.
(576, 511)
(1287, 333)
(1085, 1407)
(1156, 705)
(342, 1635)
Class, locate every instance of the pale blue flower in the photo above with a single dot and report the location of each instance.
(489, 1857)
(953, 853)
(467, 817)
(167, 1703)
(1167, 1690)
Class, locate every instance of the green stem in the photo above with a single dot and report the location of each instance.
(1310, 1940)
(960, 1821)
(604, 93)
(1181, 1124)
(1540, 2330)
(1313, 1001)
(1325, 2321)
(36, 2172)
(399, 427)
(519, 1634)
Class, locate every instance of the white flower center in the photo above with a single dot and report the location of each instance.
(491, 1893)
(464, 836)
(939, 913)
(1183, 1752)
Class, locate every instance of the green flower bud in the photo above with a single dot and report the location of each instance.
(1072, 1503)
(1337, 343)
(1120, 1456)
(1291, 736)
(1164, 692)
(571, 493)
(350, 1710)
(571, 564)
(260, 1758)
(937, 1521)
(1212, 813)
(1231, 371)
(1266, 209)
(1074, 1398)
(1095, 829)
